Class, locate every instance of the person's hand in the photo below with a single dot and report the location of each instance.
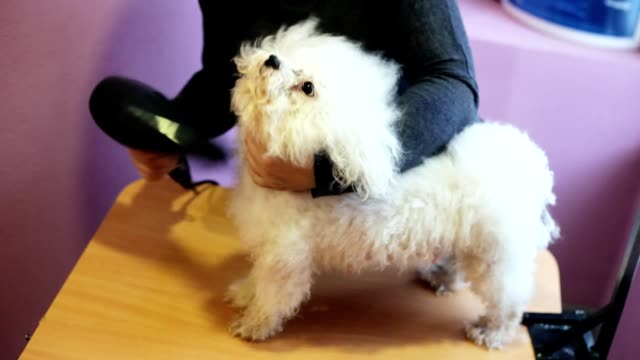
(151, 165)
(275, 173)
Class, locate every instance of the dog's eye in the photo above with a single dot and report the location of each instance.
(307, 88)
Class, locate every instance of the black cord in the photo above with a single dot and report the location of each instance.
(182, 175)
(210, 182)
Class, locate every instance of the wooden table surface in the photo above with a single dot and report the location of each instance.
(150, 285)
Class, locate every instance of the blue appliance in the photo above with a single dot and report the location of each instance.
(605, 23)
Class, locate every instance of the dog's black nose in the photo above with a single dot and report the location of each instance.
(273, 62)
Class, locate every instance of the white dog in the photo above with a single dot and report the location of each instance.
(482, 203)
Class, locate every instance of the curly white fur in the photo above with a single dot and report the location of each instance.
(482, 203)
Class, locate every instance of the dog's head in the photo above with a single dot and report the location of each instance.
(302, 92)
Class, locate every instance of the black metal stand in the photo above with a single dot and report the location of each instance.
(570, 334)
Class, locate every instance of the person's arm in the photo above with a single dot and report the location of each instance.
(442, 97)
(203, 102)
(429, 40)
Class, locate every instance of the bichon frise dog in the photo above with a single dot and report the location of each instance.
(480, 207)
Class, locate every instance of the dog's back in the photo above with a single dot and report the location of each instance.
(512, 167)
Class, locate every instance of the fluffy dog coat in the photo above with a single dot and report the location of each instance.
(481, 205)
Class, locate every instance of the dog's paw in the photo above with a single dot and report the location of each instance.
(255, 329)
(240, 293)
(491, 337)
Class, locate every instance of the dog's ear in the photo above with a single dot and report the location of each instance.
(243, 59)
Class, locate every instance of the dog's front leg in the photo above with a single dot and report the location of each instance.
(281, 280)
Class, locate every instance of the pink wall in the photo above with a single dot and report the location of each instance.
(587, 119)
(580, 104)
(60, 174)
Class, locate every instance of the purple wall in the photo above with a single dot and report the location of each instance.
(581, 105)
(60, 175)
(587, 118)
